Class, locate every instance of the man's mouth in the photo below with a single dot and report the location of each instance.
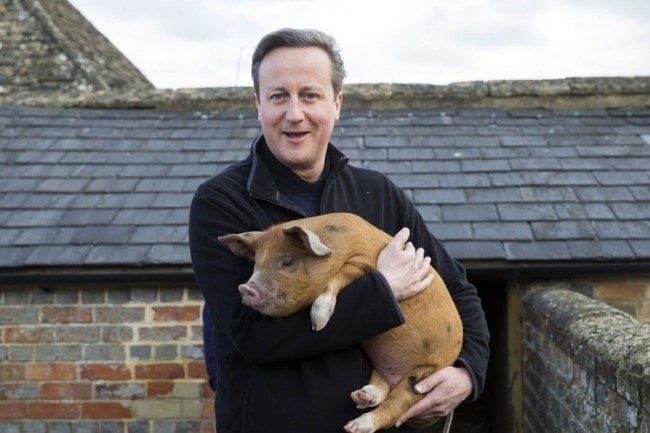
(294, 134)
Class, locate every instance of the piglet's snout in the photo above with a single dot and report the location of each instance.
(249, 295)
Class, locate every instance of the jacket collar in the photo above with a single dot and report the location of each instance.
(261, 183)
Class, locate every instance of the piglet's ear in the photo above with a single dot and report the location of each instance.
(310, 239)
(242, 244)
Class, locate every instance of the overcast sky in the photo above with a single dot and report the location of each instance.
(208, 43)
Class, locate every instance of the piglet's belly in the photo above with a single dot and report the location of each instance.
(389, 363)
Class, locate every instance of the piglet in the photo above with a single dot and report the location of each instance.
(306, 262)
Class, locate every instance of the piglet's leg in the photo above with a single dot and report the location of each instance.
(322, 309)
(398, 401)
(323, 306)
(373, 393)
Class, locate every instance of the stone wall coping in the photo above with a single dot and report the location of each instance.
(577, 92)
(619, 341)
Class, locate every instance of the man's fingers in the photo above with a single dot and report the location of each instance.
(429, 382)
(401, 237)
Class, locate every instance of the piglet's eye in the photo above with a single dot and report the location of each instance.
(286, 261)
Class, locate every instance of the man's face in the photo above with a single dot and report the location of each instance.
(297, 107)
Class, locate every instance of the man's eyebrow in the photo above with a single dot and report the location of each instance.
(274, 88)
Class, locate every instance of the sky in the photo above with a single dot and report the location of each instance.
(209, 43)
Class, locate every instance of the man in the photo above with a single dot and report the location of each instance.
(277, 375)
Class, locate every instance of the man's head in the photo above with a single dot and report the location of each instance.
(298, 97)
(299, 38)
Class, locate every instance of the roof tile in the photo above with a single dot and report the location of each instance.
(502, 231)
(14, 257)
(69, 255)
(124, 255)
(537, 250)
(451, 230)
(99, 235)
(563, 230)
(469, 212)
(527, 212)
(583, 250)
(475, 250)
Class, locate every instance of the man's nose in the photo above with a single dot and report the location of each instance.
(294, 111)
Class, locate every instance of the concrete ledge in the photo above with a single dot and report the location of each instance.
(577, 93)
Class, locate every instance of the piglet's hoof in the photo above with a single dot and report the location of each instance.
(322, 310)
(362, 424)
(368, 396)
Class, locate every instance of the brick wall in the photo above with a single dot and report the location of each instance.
(585, 365)
(102, 360)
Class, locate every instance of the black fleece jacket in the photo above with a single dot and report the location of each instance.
(277, 375)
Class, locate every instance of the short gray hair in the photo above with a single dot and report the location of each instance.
(299, 38)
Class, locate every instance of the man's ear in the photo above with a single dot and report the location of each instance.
(338, 103)
(242, 244)
(310, 240)
(257, 106)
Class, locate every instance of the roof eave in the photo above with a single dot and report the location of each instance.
(175, 273)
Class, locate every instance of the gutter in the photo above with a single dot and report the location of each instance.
(184, 274)
(551, 270)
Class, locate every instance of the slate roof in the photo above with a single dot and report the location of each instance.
(83, 187)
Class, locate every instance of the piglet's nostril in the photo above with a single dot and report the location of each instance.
(249, 295)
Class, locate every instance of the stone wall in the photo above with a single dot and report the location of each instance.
(102, 359)
(570, 93)
(586, 365)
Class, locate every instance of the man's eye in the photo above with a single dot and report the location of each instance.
(277, 97)
(311, 96)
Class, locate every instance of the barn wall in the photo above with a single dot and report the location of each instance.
(109, 359)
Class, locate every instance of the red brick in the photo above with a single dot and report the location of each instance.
(13, 410)
(196, 370)
(208, 409)
(37, 334)
(67, 315)
(159, 389)
(621, 291)
(105, 372)
(66, 391)
(206, 391)
(38, 410)
(12, 372)
(176, 314)
(105, 410)
(159, 371)
(207, 426)
(50, 371)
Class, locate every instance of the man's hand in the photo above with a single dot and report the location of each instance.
(445, 389)
(406, 269)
